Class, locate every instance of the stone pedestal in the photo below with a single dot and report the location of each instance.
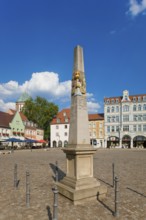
(79, 185)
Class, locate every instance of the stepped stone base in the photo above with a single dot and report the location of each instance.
(79, 185)
(81, 191)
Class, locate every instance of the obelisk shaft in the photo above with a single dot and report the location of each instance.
(78, 59)
(79, 125)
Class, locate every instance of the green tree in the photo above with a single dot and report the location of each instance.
(41, 112)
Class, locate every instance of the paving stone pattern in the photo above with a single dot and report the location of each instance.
(130, 167)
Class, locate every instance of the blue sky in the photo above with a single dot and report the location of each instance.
(37, 39)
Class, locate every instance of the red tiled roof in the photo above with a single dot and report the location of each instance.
(65, 113)
(62, 115)
(96, 116)
(5, 119)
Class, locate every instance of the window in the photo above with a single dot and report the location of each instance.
(117, 128)
(134, 127)
(113, 118)
(108, 119)
(144, 117)
(65, 126)
(65, 133)
(57, 134)
(125, 127)
(139, 107)
(94, 125)
(139, 127)
(125, 108)
(144, 107)
(117, 100)
(57, 127)
(134, 107)
(108, 129)
(113, 128)
(117, 118)
(117, 108)
(134, 117)
(144, 127)
(125, 117)
(139, 117)
(108, 109)
(113, 109)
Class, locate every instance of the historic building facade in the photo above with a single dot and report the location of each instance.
(125, 121)
(14, 124)
(60, 129)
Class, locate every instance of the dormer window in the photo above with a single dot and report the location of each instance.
(112, 101)
(58, 120)
(134, 99)
(144, 98)
(66, 119)
(139, 99)
(64, 114)
(117, 100)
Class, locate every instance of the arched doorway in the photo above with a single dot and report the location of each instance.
(139, 142)
(112, 142)
(54, 144)
(59, 143)
(126, 141)
(65, 143)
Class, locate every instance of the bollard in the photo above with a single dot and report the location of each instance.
(56, 172)
(27, 189)
(15, 176)
(113, 170)
(116, 213)
(55, 206)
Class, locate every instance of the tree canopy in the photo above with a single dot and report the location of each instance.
(41, 112)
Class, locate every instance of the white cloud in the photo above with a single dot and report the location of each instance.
(47, 83)
(5, 106)
(43, 84)
(93, 107)
(136, 7)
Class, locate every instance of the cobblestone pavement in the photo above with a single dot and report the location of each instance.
(130, 167)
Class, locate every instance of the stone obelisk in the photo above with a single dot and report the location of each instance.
(79, 185)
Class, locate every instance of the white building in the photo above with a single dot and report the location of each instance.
(60, 129)
(125, 120)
